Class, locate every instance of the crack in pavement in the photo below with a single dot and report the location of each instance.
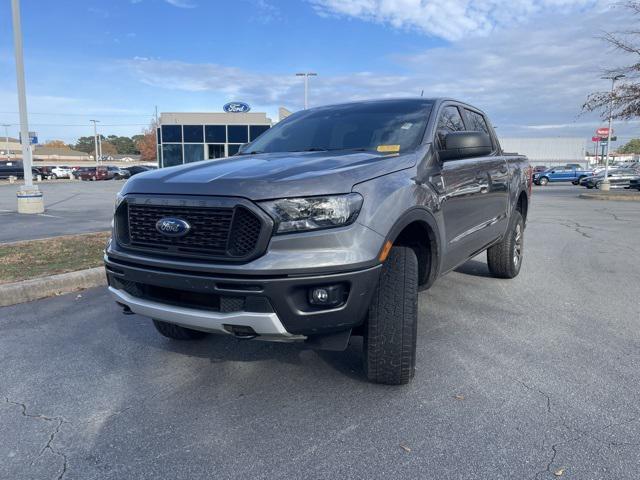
(615, 217)
(49, 445)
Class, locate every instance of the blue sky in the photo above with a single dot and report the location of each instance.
(528, 63)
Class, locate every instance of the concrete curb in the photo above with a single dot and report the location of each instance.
(621, 197)
(37, 288)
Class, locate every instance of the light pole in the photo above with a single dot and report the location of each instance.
(306, 76)
(29, 196)
(605, 183)
(6, 139)
(95, 139)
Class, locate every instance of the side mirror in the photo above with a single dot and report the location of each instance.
(458, 145)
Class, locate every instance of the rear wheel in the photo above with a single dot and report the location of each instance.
(391, 330)
(543, 181)
(505, 258)
(177, 332)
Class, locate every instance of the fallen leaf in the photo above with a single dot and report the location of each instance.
(405, 448)
(559, 472)
(459, 397)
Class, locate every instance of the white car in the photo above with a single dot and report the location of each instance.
(60, 172)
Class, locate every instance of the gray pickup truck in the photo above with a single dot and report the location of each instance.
(324, 227)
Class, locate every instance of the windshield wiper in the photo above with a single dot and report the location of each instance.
(252, 152)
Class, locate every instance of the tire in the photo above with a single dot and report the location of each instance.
(391, 329)
(93, 179)
(176, 332)
(543, 181)
(505, 258)
(54, 177)
(598, 184)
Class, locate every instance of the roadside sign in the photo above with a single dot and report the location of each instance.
(595, 139)
(603, 132)
(603, 143)
(33, 138)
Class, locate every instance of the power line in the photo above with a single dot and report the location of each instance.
(82, 124)
(83, 114)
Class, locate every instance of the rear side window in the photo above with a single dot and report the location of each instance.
(476, 122)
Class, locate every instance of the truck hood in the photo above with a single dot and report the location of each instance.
(270, 175)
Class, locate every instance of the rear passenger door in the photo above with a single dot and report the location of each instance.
(493, 173)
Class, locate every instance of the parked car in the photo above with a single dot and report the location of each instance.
(94, 173)
(118, 173)
(560, 174)
(15, 169)
(134, 170)
(620, 178)
(60, 172)
(325, 226)
(634, 183)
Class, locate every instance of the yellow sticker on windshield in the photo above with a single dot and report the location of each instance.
(388, 148)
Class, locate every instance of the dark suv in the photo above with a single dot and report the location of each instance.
(325, 226)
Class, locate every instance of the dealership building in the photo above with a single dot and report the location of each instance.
(191, 137)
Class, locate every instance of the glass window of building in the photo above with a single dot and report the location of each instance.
(158, 136)
(215, 133)
(171, 154)
(238, 134)
(193, 152)
(171, 133)
(193, 133)
(215, 151)
(256, 130)
(233, 149)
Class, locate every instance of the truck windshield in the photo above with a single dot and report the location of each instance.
(387, 126)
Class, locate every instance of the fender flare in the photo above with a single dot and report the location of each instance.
(421, 214)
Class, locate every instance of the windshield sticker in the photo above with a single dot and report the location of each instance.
(406, 126)
(388, 148)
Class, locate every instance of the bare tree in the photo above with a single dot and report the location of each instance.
(626, 95)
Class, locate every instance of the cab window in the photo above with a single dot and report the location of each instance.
(449, 121)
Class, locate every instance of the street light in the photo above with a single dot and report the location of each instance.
(605, 183)
(95, 139)
(29, 196)
(306, 76)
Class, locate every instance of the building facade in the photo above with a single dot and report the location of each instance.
(548, 151)
(191, 137)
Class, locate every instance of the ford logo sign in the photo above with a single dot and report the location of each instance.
(236, 107)
(173, 227)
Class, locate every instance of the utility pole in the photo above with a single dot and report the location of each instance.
(605, 183)
(95, 139)
(29, 196)
(6, 139)
(306, 76)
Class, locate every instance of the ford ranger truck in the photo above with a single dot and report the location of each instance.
(325, 226)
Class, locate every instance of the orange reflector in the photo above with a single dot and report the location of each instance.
(384, 253)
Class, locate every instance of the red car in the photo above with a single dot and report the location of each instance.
(93, 173)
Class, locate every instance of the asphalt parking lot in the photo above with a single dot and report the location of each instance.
(536, 377)
(70, 207)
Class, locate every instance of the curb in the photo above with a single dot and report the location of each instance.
(622, 197)
(37, 288)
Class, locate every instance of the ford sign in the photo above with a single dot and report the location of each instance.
(173, 227)
(236, 107)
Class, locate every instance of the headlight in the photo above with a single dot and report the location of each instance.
(313, 213)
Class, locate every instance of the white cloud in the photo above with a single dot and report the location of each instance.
(448, 19)
(524, 77)
(181, 3)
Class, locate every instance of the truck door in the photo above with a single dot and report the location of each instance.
(493, 175)
(461, 184)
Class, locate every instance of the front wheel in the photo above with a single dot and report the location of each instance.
(543, 181)
(505, 258)
(176, 332)
(391, 330)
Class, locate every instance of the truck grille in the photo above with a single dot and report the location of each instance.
(232, 233)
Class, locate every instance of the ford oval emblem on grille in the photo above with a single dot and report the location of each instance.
(173, 227)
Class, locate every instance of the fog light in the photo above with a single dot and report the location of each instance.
(326, 296)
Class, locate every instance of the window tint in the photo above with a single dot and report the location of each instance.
(171, 154)
(172, 133)
(233, 149)
(215, 133)
(450, 120)
(193, 133)
(193, 152)
(238, 133)
(476, 122)
(257, 130)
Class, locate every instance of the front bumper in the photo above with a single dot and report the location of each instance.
(272, 305)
